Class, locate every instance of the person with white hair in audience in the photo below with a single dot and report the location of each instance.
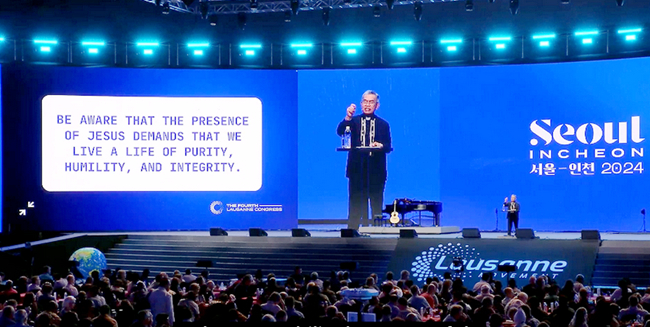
(485, 293)
(517, 302)
(68, 305)
(520, 318)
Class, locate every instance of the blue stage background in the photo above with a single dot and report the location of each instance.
(408, 101)
(485, 142)
(460, 135)
(25, 86)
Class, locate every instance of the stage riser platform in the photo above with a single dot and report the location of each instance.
(618, 259)
(236, 255)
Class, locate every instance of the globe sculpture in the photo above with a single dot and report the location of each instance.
(89, 259)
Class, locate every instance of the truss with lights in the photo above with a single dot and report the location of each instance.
(258, 6)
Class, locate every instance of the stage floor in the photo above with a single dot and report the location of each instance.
(608, 236)
(329, 230)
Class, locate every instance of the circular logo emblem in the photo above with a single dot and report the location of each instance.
(216, 207)
(429, 262)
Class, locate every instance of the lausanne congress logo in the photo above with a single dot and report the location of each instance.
(216, 207)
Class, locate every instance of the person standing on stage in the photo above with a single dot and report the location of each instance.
(366, 171)
(512, 208)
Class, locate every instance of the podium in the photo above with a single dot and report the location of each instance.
(367, 151)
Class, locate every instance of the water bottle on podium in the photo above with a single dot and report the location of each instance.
(346, 138)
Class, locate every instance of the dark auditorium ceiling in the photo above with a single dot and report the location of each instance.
(132, 20)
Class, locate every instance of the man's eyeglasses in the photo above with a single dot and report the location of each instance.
(368, 101)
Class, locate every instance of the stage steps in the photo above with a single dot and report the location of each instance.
(235, 255)
(618, 259)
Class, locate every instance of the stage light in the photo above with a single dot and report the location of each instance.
(214, 19)
(544, 39)
(301, 48)
(587, 39)
(417, 10)
(500, 41)
(249, 49)
(45, 42)
(96, 43)
(198, 52)
(295, 6)
(93, 46)
(401, 45)
(241, 20)
(630, 34)
(254, 5)
(514, 6)
(203, 9)
(469, 5)
(453, 47)
(376, 11)
(565, 2)
(583, 33)
(165, 8)
(352, 47)
(632, 30)
(148, 47)
(326, 16)
(390, 4)
(198, 45)
(620, 3)
(2, 39)
(45, 49)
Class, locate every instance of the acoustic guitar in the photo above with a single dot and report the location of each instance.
(394, 216)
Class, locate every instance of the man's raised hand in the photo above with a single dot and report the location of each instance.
(350, 111)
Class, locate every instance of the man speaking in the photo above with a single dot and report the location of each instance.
(366, 170)
(512, 208)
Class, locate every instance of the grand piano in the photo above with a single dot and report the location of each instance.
(404, 206)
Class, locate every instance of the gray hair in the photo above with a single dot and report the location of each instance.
(370, 92)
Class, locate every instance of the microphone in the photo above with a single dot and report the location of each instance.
(643, 211)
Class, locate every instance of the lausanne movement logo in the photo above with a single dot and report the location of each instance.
(422, 266)
(464, 261)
